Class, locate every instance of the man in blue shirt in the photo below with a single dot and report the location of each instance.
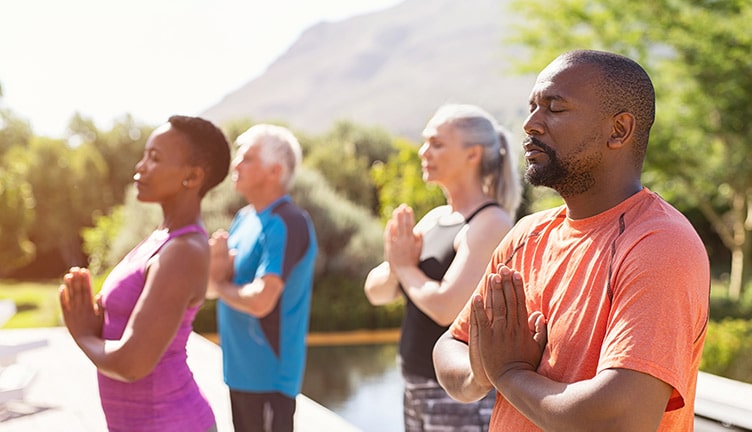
(262, 274)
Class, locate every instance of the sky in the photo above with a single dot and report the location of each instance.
(147, 58)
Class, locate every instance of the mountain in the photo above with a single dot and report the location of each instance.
(390, 68)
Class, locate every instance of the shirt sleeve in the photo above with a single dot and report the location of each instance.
(274, 240)
(659, 312)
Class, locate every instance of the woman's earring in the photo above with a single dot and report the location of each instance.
(185, 183)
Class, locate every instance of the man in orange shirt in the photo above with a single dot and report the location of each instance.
(591, 316)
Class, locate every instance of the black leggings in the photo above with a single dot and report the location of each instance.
(262, 412)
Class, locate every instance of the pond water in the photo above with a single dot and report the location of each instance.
(361, 383)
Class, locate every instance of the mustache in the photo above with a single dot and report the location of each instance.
(540, 144)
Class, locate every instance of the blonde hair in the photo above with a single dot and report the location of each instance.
(498, 167)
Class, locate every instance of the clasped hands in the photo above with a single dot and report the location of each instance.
(221, 262)
(83, 314)
(402, 245)
(503, 336)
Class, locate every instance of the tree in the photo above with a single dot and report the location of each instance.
(16, 216)
(13, 131)
(344, 155)
(66, 184)
(120, 147)
(699, 154)
(400, 180)
(16, 198)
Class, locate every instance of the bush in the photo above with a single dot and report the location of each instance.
(728, 349)
(723, 307)
(206, 318)
(339, 304)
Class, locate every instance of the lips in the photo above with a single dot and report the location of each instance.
(533, 148)
(529, 154)
(137, 180)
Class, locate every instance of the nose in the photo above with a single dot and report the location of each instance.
(235, 163)
(139, 165)
(423, 150)
(532, 124)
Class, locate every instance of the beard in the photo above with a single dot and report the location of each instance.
(567, 177)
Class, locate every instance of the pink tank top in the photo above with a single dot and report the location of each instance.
(168, 399)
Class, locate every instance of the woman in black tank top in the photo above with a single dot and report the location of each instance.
(436, 264)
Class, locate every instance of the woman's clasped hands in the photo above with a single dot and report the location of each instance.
(83, 314)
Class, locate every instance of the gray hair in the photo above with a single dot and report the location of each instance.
(277, 145)
(498, 168)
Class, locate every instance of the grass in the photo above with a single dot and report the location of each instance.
(36, 303)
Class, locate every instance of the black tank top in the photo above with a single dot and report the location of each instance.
(419, 332)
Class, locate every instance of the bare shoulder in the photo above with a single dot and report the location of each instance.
(492, 216)
(488, 226)
(182, 263)
(186, 256)
(187, 246)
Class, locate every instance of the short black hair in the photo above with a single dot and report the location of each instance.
(209, 148)
(624, 87)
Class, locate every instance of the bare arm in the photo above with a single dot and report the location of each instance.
(615, 399)
(175, 280)
(451, 358)
(443, 300)
(382, 286)
(257, 298)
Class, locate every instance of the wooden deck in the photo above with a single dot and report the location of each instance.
(62, 395)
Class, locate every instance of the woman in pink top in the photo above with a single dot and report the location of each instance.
(136, 331)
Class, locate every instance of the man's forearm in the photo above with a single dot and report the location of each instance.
(234, 297)
(451, 361)
(614, 400)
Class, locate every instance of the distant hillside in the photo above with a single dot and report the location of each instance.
(390, 68)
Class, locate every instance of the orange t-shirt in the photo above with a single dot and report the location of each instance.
(627, 288)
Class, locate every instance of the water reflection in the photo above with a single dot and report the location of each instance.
(361, 383)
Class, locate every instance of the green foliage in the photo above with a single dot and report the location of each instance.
(400, 180)
(349, 237)
(99, 238)
(206, 318)
(16, 218)
(544, 198)
(36, 303)
(723, 307)
(699, 153)
(61, 185)
(728, 349)
(16, 195)
(120, 148)
(339, 304)
(139, 220)
(234, 128)
(220, 205)
(14, 132)
(344, 154)
(65, 185)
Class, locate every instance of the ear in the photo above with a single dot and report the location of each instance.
(622, 130)
(276, 169)
(194, 178)
(475, 153)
